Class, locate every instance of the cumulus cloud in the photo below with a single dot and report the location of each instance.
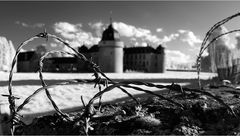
(75, 34)
(133, 39)
(237, 34)
(153, 39)
(36, 25)
(131, 31)
(177, 57)
(98, 27)
(169, 38)
(125, 30)
(144, 44)
(65, 27)
(143, 34)
(224, 40)
(136, 44)
(135, 33)
(137, 36)
(159, 30)
(189, 37)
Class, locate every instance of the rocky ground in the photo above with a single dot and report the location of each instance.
(202, 115)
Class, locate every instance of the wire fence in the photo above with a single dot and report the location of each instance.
(101, 79)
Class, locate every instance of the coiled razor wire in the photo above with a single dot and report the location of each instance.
(102, 79)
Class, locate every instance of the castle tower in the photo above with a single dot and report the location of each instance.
(111, 51)
(161, 62)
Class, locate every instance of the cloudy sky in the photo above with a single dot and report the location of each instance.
(178, 25)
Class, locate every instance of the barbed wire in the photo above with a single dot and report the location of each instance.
(102, 79)
(44, 83)
(204, 44)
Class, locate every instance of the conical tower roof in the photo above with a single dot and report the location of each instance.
(110, 34)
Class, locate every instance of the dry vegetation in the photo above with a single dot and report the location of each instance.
(205, 110)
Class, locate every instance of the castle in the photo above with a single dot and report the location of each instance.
(110, 54)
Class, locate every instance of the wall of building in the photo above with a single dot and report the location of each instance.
(152, 60)
(62, 64)
(23, 66)
(144, 59)
(135, 61)
(110, 57)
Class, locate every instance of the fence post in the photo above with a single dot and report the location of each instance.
(4, 118)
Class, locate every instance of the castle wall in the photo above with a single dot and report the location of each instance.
(144, 61)
(23, 66)
(151, 59)
(136, 61)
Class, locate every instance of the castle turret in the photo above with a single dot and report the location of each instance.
(161, 62)
(111, 51)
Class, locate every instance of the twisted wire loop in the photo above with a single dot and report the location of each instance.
(206, 39)
(44, 83)
(11, 97)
